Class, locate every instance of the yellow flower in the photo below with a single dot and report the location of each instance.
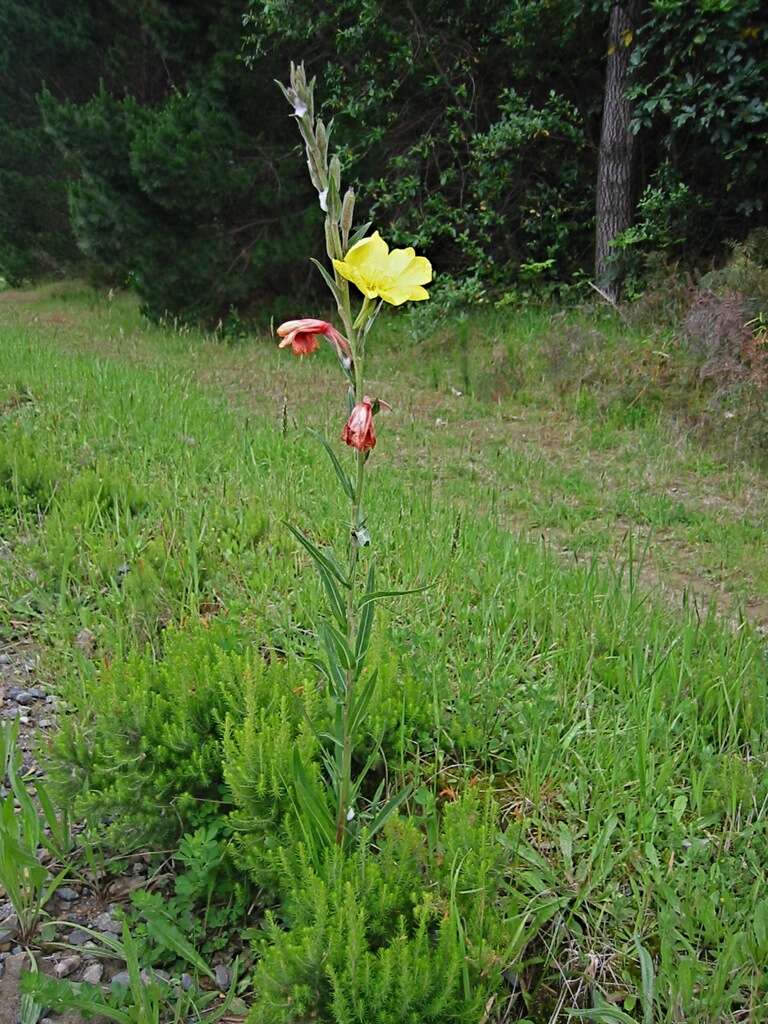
(395, 276)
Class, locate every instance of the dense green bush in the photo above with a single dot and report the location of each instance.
(146, 758)
(365, 936)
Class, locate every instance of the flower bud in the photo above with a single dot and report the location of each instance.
(347, 215)
(321, 135)
(334, 170)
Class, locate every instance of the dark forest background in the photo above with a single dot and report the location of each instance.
(147, 143)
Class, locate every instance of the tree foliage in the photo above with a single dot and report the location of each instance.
(700, 105)
(463, 146)
(153, 135)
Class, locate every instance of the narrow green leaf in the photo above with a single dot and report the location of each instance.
(320, 559)
(366, 622)
(360, 706)
(58, 996)
(311, 802)
(165, 931)
(648, 980)
(336, 642)
(328, 279)
(334, 670)
(334, 597)
(30, 1010)
(378, 595)
(388, 809)
(359, 233)
(605, 1014)
(341, 473)
(362, 774)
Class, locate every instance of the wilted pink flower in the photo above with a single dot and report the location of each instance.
(358, 430)
(302, 336)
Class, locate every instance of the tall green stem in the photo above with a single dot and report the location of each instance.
(345, 781)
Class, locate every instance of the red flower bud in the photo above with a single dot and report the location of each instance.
(358, 430)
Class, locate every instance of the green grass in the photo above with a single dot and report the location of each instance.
(144, 480)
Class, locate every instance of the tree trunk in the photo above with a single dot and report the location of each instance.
(617, 147)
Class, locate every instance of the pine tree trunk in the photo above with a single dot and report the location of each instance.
(617, 146)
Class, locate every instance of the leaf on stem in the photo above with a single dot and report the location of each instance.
(366, 623)
(162, 929)
(360, 706)
(325, 561)
(344, 480)
(328, 280)
(388, 810)
(312, 803)
(336, 647)
(359, 234)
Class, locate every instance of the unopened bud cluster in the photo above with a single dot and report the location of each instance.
(325, 174)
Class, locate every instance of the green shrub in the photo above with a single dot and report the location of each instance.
(142, 748)
(367, 937)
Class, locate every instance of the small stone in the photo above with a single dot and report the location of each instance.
(92, 974)
(25, 697)
(222, 977)
(67, 894)
(124, 886)
(85, 641)
(78, 937)
(45, 723)
(106, 923)
(5, 659)
(121, 979)
(186, 982)
(67, 966)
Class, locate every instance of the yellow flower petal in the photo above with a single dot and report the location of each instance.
(395, 276)
(397, 294)
(418, 269)
(358, 279)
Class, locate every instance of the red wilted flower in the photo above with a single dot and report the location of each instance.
(358, 430)
(302, 336)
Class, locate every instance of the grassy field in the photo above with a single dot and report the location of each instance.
(585, 673)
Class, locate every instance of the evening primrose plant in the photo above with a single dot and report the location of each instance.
(382, 276)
